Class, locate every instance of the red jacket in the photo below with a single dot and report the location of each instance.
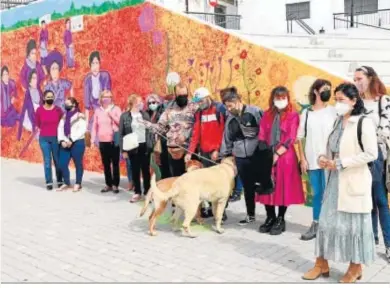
(208, 130)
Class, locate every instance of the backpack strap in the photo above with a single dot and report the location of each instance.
(359, 132)
(307, 116)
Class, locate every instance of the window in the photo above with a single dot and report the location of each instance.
(231, 2)
(360, 6)
(298, 11)
(220, 19)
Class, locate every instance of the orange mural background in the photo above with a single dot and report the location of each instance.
(139, 46)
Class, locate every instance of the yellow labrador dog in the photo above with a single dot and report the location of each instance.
(213, 184)
(164, 186)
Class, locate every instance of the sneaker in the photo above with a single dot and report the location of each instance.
(59, 184)
(311, 233)
(279, 227)
(135, 198)
(388, 254)
(115, 190)
(204, 213)
(49, 187)
(235, 198)
(224, 217)
(247, 220)
(267, 225)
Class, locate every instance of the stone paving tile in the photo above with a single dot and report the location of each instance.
(50, 236)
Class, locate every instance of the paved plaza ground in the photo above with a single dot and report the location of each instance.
(50, 236)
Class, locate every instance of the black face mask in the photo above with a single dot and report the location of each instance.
(182, 100)
(68, 108)
(49, 101)
(325, 95)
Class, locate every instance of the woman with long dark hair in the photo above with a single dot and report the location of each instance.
(315, 125)
(278, 129)
(345, 228)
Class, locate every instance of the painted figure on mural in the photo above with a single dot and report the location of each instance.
(9, 116)
(60, 87)
(43, 42)
(32, 100)
(69, 45)
(31, 63)
(96, 81)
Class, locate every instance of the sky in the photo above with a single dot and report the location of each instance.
(38, 9)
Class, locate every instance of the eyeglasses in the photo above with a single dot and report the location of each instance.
(152, 102)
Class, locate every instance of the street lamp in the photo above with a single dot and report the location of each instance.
(187, 9)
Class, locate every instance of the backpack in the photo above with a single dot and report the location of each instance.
(307, 116)
(376, 166)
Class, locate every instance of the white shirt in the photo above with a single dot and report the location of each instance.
(319, 126)
(95, 86)
(137, 127)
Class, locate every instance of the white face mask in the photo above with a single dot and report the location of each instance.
(153, 107)
(342, 108)
(281, 104)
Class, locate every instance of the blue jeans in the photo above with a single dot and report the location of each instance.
(50, 150)
(381, 206)
(75, 152)
(317, 182)
(129, 170)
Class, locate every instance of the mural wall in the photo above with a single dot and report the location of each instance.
(135, 47)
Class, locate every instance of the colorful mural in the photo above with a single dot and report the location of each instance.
(136, 47)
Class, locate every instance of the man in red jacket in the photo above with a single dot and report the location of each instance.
(207, 133)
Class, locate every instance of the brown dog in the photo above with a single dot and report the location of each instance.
(213, 184)
(165, 185)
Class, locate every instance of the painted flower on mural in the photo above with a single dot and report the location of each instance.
(146, 20)
(173, 78)
(244, 54)
(237, 66)
(257, 93)
(258, 71)
(278, 73)
(191, 61)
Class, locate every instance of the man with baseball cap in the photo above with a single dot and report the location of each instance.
(207, 133)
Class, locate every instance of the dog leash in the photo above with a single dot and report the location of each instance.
(188, 151)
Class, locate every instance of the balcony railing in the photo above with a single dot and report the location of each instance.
(227, 21)
(379, 19)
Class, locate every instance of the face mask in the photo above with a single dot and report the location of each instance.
(68, 107)
(281, 104)
(204, 106)
(182, 100)
(106, 101)
(342, 108)
(325, 95)
(153, 106)
(235, 111)
(362, 85)
(49, 101)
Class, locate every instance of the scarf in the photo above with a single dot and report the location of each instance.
(69, 115)
(275, 131)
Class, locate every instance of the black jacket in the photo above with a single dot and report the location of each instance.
(125, 128)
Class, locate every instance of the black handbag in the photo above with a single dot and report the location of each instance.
(262, 164)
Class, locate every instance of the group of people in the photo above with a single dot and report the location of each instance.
(343, 148)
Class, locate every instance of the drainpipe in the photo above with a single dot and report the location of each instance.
(187, 10)
(352, 12)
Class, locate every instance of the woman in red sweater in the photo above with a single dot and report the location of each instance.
(47, 118)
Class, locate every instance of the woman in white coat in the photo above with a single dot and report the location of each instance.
(71, 131)
(345, 229)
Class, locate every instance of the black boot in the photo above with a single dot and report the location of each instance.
(279, 227)
(267, 225)
(311, 233)
(204, 213)
(224, 216)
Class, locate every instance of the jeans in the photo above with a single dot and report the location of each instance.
(76, 153)
(317, 182)
(140, 161)
(381, 205)
(50, 150)
(129, 170)
(243, 167)
(110, 156)
(238, 186)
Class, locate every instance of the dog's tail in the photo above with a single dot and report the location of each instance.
(148, 199)
(164, 196)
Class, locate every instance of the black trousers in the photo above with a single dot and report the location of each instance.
(177, 167)
(140, 161)
(164, 158)
(110, 157)
(248, 181)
